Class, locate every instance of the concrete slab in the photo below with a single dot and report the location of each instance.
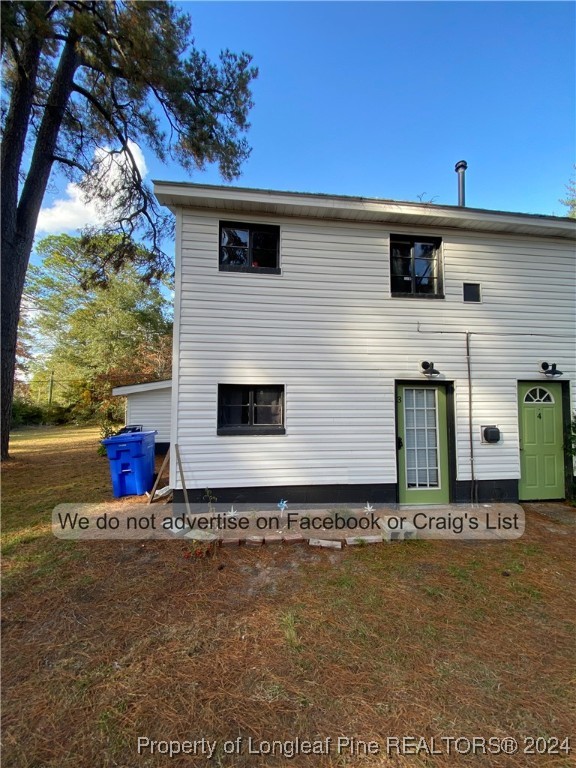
(327, 543)
(352, 541)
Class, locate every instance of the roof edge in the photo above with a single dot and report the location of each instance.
(177, 195)
(130, 389)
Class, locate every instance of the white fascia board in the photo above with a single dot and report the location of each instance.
(132, 389)
(177, 195)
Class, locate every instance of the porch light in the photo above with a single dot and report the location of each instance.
(428, 369)
(550, 370)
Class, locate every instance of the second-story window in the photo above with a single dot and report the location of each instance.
(415, 266)
(249, 247)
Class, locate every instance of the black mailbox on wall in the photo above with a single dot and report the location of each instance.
(490, 434)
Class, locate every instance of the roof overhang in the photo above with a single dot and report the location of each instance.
(246, 201)
(133, 389)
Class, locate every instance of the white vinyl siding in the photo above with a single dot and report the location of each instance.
(328, 330)
(152, 410)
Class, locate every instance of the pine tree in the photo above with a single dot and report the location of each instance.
(82, 81)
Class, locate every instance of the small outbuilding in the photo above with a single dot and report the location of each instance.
(149, 405)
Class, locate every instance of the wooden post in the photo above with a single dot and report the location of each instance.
(179, 460)
(158, 476)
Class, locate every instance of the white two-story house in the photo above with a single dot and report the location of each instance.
(342, 349)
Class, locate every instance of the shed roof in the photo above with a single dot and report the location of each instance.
(132, 389)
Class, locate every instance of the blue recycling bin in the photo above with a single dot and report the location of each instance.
(131, 459)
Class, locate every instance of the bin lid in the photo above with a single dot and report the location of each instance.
(128, 437)
(130, 428)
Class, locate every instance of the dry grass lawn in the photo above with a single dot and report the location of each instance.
(107, 641)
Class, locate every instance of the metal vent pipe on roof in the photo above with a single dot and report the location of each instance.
(460, 169)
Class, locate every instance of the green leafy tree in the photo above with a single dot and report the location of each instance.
(93, 338)
(82, 80)
(570, 199)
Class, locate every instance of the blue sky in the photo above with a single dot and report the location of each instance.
(380, 99)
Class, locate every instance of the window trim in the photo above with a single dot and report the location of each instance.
(251, 429)
(434, 240)
(251, 227)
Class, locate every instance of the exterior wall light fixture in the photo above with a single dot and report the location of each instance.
(428, 369)
(550, 370)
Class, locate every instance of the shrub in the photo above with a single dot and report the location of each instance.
(25, 413)
(107, 429)
(57, 414)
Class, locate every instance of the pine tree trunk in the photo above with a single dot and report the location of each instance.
(19, 222)
(15, 262)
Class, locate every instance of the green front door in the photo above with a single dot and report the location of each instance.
(541, 441)
(422, 443)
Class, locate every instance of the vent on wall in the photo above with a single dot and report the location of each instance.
(471, 292)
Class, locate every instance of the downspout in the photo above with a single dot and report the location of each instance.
(473, 489)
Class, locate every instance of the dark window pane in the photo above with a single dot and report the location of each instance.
(268, 406)
(425, 277)
(426, 285)
(263, 258)
(233, 395)
(424, 268)
(402, 275)
(234, 406)
(266, 240)
(402, 268)
(234, 415)
(267, 414)
(401, 285)
(235, 236)
(265, 249)
(236, 257)
(424, 250)
(401, 250)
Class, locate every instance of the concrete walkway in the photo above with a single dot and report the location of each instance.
(557, 511)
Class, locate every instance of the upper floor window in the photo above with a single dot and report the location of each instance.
(249, 247)
(415, 266)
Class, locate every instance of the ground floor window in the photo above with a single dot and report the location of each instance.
(246, 409)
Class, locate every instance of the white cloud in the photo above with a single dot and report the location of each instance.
(68, 213)
(73, 211)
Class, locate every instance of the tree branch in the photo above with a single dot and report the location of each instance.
(71, 163)
(122, 138)
(103, 111)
